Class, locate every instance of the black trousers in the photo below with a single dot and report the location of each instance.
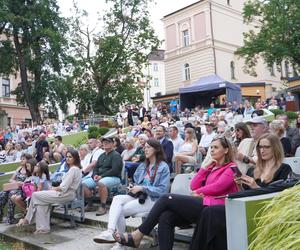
(210, 233)
(169, 211)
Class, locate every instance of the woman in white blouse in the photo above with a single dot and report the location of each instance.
(40, 204)
(187, 151)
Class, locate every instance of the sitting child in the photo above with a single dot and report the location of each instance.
(41, 181)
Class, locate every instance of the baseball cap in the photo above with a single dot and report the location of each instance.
(257, 120)
(108, 139)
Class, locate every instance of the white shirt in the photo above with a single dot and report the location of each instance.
(206, 139)
(177, 143)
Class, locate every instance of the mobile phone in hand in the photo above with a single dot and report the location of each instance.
(236, 171)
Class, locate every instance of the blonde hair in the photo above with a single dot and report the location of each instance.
(278, 155)
(191, 131)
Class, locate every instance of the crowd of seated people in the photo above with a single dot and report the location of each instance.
(158, 148)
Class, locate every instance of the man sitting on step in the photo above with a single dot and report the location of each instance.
(106, 174)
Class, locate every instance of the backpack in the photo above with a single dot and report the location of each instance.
(28, 188)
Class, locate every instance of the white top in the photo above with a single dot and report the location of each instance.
(177, 143)
(126, 154)
(206, 139)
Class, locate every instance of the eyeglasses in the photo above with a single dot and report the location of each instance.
(260, 147)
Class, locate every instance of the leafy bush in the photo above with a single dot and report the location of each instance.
(93, 134)
(278, 222)
(96, 132)
(103, 131)
(291, 115)
(277, 112)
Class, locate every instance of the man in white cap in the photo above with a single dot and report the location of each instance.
(246, 153)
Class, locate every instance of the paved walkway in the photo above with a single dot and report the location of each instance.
(63, 237)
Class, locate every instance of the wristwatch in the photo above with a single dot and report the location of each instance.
(246, 159)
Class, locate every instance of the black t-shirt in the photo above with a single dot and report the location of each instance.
(39, 149)
(281, 174)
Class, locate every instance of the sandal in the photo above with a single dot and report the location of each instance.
(122, 241)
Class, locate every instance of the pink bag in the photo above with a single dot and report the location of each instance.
(28, 188)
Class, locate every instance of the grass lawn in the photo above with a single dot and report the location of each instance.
(73, 139)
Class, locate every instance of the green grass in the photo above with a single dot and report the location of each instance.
(7, 167)
(5, 179)
(75, 139)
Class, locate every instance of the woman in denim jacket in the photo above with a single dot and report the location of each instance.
(152, 179)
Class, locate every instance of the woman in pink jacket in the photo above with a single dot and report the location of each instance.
(208, 187)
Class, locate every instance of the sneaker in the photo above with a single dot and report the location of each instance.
(101, 211)
(105, 237)
(118, 246)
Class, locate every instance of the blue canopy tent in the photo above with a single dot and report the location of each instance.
(203, 91)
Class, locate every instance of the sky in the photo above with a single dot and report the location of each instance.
(157, 10)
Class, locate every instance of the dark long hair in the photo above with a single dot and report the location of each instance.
(75, 156)
(159, 151)
(242, 126)
(32, 162)
(44, 169)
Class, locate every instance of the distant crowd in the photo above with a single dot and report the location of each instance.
(227, 154)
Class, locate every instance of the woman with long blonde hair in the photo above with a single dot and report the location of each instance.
(269, 166)
(187, 151)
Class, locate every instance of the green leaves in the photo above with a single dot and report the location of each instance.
(278, 36)
(278, 226)
(32, 41)
(112, 72)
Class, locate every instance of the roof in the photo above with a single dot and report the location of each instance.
(208, 83)
(251, 84)
(157, 55)
(183, 8)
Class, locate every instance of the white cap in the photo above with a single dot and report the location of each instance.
(257, 120)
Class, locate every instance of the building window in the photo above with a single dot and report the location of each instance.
(286, 67)
(272, 72)
(232, 70)
(155, 67)
(5, 87)
(295, 73)
(156, 82)
(186, 38)
(187, 72)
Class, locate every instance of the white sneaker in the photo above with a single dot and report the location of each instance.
(105, 237)
(118, 246)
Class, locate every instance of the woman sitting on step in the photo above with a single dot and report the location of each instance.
(152, 180)
(41, 202)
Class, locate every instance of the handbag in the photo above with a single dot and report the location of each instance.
(28, 188)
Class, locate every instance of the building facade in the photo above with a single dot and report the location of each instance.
(154, 83)
(12, 113)
(201, 40)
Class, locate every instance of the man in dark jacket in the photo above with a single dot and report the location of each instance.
(166, 144)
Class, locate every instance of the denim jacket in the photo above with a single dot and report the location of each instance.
(161, 182)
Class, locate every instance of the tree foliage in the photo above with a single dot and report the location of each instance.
(32, 42)
(276, 36)
(109, 76)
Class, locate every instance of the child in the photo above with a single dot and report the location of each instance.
(41, 180)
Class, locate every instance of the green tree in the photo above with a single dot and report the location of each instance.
(276, 37)
(32, 42)
(109, 77)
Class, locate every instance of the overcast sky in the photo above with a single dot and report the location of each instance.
(157, 11)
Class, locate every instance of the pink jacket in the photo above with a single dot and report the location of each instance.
(219, 182)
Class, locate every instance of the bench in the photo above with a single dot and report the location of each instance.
(77, 203)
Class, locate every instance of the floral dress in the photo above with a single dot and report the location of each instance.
(5, 197)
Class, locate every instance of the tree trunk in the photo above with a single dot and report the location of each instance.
(33, 108)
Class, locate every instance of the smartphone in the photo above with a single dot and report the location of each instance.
(236, 171)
